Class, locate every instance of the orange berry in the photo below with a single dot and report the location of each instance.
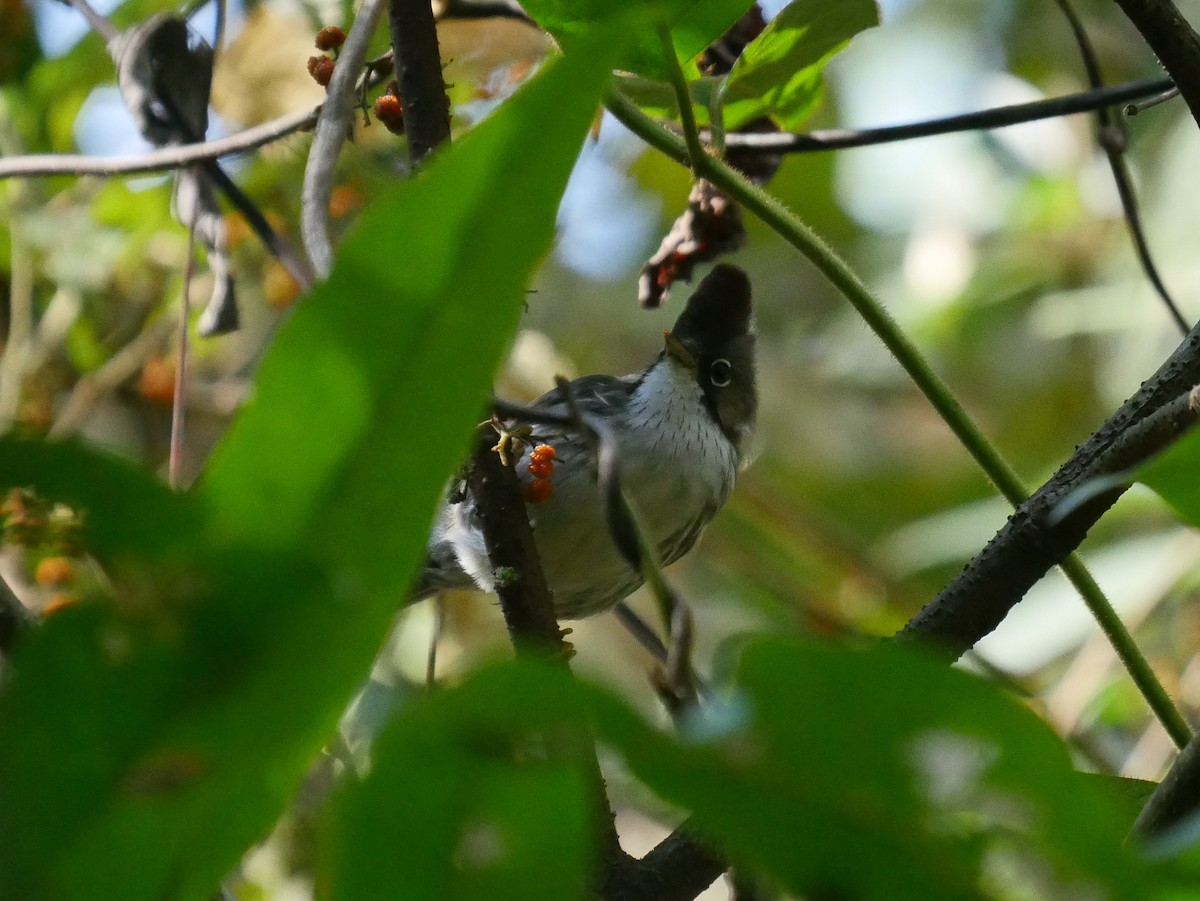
(390, 111)
(237, 230)
(537, 492)
(59, 602)
(279, 288)
(321, 69)
(53, 571)
(157, 381)
(540, 468)
(330, 38)
(344, 200)
(544, 452)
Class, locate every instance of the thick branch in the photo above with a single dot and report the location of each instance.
(1175, 799)
(526, 601)
(520, 583)
(1173, 41)
(678, 868)
(419, 73)
(1033, 541)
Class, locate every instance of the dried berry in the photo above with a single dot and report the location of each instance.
(321, 69)
(330, 38)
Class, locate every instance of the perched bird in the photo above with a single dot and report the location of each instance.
(681, 427)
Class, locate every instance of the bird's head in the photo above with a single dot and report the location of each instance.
(713, 339)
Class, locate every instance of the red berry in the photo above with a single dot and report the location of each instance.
(330, 38)
(538, 491)
(543, 452)
(390, 111)
(321, 69)
(541, 469)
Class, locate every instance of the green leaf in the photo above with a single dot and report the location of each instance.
(150, 737)
(881, 775)
(462, 802)
(694, 24)
(1172, 475)
(779, 72)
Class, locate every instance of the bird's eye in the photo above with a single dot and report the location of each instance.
(721, 372)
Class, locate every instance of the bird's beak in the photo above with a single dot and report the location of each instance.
(676, 349)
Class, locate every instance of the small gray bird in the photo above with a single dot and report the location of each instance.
(681, 426)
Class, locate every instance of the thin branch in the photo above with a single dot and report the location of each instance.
(996, 117)
(419, 74)
(115, 372)
(178, 404)
(333, 125)
(1173, 41)
(162, 159)
(1114, 139)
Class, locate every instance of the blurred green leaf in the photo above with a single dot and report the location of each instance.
(694, 24)
(105, 490)
(150, 737)
(1172, 474)
(779, 72)
(462, 802)
(882, 775)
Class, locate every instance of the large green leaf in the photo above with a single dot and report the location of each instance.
(864, 774)
(694, 24)
(147, 739)
(883, 775)
(461, 802)
(779, 73)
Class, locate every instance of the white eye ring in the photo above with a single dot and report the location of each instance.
(720, 372)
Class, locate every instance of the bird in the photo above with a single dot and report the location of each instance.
(683, 428)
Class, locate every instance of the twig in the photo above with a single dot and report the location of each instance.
(178, 405)
(419, 73)
(114, 373)
(1173, 41)
(988, 119)
(333, 125)
(162, 159)
(1113, 139)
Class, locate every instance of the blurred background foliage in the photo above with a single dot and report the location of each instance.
(1003, 253)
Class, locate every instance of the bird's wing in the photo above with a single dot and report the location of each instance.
(596, 395)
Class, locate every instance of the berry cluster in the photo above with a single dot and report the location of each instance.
(329, 39)
(541, 467)
(49, 530)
